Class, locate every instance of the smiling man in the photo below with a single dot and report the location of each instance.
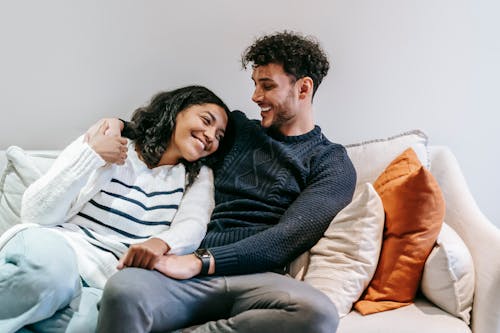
(277, 189)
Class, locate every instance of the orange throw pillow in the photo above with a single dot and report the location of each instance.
(414, 211)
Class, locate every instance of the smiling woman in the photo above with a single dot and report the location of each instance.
(105, 205)
(165, 129)
(198, 132)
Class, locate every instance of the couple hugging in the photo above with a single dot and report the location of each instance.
(189, 225)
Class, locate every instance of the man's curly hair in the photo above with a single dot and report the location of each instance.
(151, 127)
(300, 56)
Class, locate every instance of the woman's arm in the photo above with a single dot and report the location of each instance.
(49, 199)
(186, 230)
(189, 225)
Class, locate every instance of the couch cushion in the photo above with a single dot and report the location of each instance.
(370, 158)
(414, 211)
(342, 263)
(21, 170)
(422, 316)
(448, 278)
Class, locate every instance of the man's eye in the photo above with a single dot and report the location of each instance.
(267, 87)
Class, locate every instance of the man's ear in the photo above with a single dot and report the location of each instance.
(306, 85)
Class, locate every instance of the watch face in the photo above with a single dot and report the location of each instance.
(202, 253)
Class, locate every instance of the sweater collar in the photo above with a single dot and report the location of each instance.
(274, 133)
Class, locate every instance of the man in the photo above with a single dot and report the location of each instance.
(280, 184)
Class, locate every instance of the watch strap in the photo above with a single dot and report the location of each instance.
(204, 255)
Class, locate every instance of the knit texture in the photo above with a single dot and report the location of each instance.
(275, 196)
(102, 209)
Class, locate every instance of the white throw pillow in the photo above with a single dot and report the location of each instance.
(448, 277)
(343, 262)
(21, 170)
(372, 157)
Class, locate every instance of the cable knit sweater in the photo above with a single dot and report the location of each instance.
(101, 209)
(275, 196)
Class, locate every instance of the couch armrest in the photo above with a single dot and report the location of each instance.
(479, 234)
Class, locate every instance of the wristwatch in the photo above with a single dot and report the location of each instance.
(204, 255)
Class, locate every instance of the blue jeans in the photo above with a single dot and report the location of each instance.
(40, 285)
(138, 300)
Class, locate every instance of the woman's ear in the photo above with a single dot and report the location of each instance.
(306, 85)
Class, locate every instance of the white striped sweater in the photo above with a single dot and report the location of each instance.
(101, 209)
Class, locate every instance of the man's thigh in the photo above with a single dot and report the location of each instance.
(270, 302)
(143, 300)
(268, 291)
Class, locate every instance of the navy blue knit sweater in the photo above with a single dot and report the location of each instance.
(275, 196)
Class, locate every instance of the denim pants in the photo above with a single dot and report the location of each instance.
(138, 300)
(40, 286)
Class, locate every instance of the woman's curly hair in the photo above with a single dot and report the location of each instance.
(300, 56)
(151, 127)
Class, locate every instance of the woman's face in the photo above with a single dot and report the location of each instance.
(198, 131)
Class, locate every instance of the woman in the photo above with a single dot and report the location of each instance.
(98, 217)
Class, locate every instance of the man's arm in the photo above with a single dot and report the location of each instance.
(300, 227)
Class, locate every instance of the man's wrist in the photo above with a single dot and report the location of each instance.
(205, 258)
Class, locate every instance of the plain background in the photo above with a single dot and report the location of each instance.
(397, 65)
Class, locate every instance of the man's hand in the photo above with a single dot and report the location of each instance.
(182, 267)
(144, 255)
(102, 138)
(179, 267)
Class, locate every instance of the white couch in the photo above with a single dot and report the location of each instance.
(480, 236)
(483, 241)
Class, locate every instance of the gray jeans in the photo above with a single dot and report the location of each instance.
(138, 300)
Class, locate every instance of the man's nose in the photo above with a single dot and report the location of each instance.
(257, 95)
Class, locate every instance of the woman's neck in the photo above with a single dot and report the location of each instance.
(168, 158)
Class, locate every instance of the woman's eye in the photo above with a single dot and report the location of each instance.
(206, 120)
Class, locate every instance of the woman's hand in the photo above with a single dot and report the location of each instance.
(144, 255)
(105, 139)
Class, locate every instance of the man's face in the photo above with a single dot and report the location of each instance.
(276, 95)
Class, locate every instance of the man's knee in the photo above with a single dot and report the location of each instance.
(119, 293)
(317, 314)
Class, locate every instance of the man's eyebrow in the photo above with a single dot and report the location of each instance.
(264, 79)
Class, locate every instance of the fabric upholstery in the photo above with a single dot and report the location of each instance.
(414, 210)
(343, 262)
(448, 278)
(21, 170)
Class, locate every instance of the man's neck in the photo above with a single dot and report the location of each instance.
(295, 130)
(303, 123)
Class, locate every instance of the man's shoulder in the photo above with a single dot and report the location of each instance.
(241, 118)
(326, 146)
(330, 153)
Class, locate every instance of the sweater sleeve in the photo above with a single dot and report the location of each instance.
(330, 188)
(190, 222)
(49, 199)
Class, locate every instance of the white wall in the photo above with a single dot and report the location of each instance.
(397, 65)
